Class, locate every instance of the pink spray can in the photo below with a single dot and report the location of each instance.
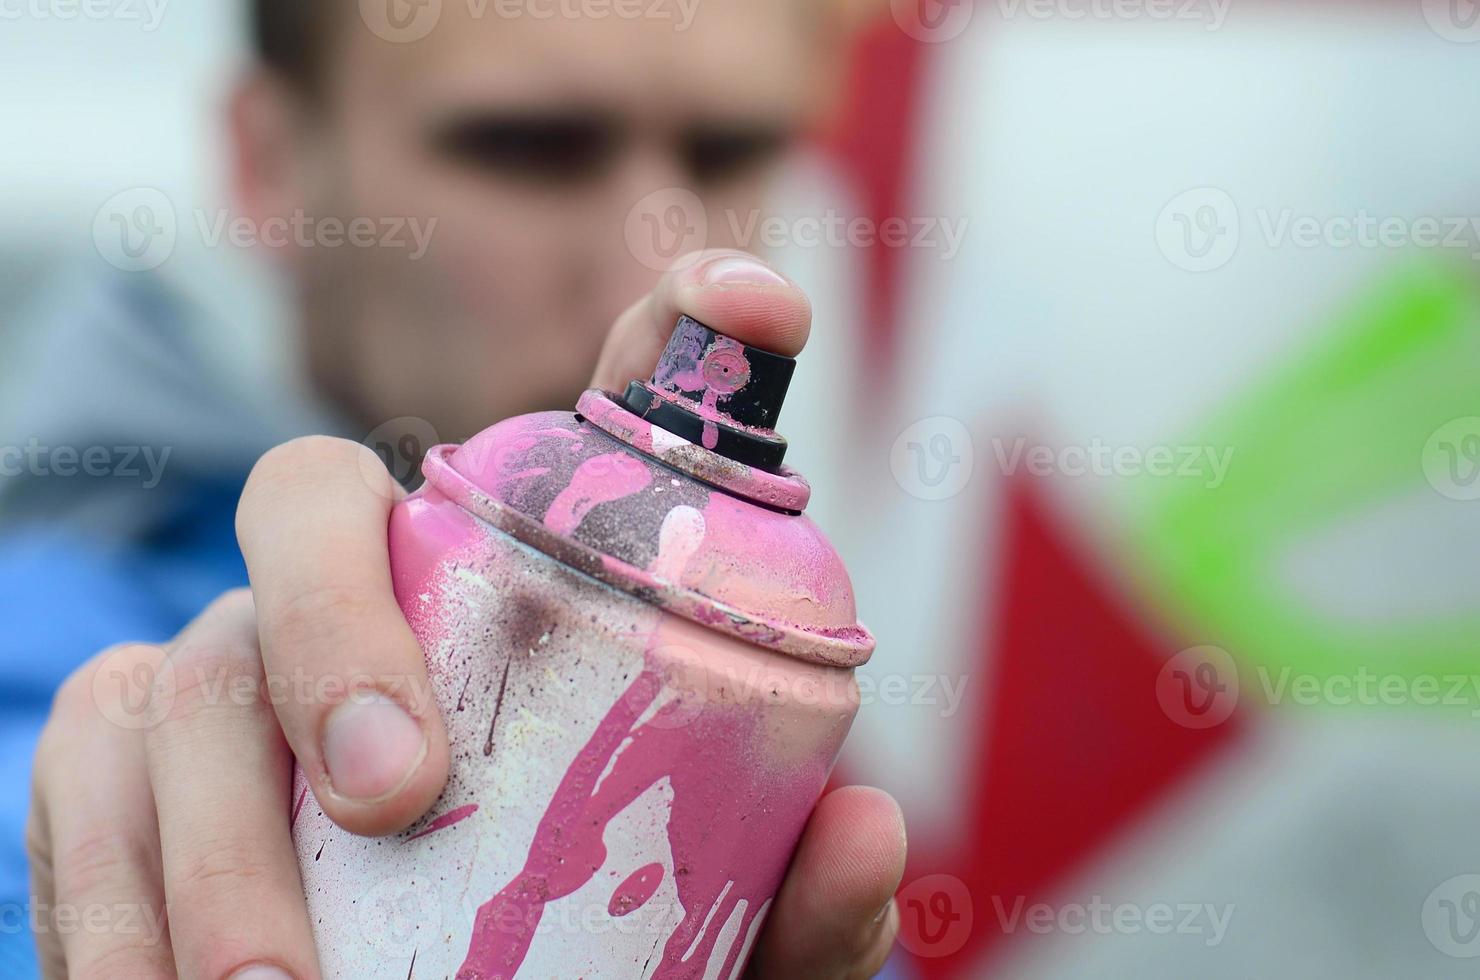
(644, 654)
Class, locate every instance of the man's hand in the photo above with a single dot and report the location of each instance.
(184, 807)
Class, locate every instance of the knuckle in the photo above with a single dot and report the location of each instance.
(137, 960)
(38, 842)
(97, 860)
(215, 867)
(220, 638)
(234, 605)
(115, 678)
(316, 615)
(208, 673)
(206, 681)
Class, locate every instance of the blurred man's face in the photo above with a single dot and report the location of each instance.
(530, 140)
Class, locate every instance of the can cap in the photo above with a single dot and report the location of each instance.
(639, 507)
(716, 392)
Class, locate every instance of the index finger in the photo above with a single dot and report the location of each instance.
(351, 686)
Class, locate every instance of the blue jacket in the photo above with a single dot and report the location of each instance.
(132, 545)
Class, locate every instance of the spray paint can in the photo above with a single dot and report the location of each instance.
(644, 654)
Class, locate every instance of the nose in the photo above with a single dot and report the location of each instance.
(651, 165)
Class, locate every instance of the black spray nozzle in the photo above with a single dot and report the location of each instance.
(716, 392)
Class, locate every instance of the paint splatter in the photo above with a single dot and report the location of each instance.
(599, 480)
(448, 819)
(717, 783)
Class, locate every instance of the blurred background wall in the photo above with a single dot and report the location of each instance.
(1145, 476)
(98, 106)
(1187, 690)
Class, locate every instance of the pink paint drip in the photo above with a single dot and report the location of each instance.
(448, 819)
(298, 807)
(716, 779)
(634, 893)
(599, 480)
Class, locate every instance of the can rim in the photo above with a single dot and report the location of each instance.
(847, 646)
(786, 489)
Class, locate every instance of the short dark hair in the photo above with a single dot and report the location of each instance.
(291, 37)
